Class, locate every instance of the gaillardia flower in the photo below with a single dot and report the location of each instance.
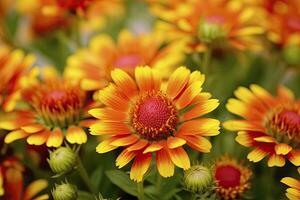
(283, 21)
(12, 184)
(292, 193)
(271, 124)
(58, 110)
(92, 66)
(201, 22)
(145, 116)
(13, 65)
(232, 178)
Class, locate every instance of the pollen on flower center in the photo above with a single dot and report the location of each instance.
(57, 104)
(228, 176)
(154, 116)
(284, 122)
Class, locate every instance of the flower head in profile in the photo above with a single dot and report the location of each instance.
(92, 66)
(201, 22)
(232, 178)
(144, 116)
(14, 64)
(12, 184)
(271, 124)
(292, 193)
(58, 110)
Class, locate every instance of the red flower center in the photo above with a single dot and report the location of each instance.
(56, 103)
(128, 61)
(228, 176)
(285, 121)
(154, 116)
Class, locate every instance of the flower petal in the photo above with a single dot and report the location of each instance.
(201, 108)
(108, 114)
(76, 135)
(180, 158)
(203, 126)
(39, 138)
(174, 142)
(125, 157)
(164, 163)
(198, 143)
(124, 82)
(155, 146)
(112, 97)
(294, 157)
(144, 78)
(105, 146)
(256, 155)
(239, 125)
(15, 135)
(34, 188)
(188, 95)
(291, 182)
(125, 141)
(33, 128)
(138, 145)
(140, 166)
(282, 149)
(276, 160)
(55, 138)
(178, 81)
(109, 128)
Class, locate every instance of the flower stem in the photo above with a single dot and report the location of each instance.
(206, 59)
(85, 177)
(140, 190)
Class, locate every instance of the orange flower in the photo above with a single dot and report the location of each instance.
(58, 110)
(271, 124)
(145, 116)
(93, 65)
(11, 182)
(231, 177)
(200, 21)
(13, 65)
(44, 16)
(292, 193)
(283, 21)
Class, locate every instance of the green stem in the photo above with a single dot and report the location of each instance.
(85, 177)
(194, 196)
(77, 33)
(206, 59)
(140, 190)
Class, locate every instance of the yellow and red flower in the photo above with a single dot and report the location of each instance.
(283, 21)
(92, 66)
(58, 110)
(271, 124)
(11, 182)
(44, 16)
(232, 178)
(292, 193)
(145, 116)
(13, 65)
(198, 21)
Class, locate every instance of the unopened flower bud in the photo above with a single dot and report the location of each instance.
(62, 160)
(210, 31)
(198, 179)
(64, 191)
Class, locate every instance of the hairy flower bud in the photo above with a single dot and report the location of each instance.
(64, 191)
(62, 160)
(198, 179)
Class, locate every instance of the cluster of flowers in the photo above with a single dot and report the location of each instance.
(134, 95)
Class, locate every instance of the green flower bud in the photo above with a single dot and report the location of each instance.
(62, 160)
(64, 191)
(199, 179)
(210, 31)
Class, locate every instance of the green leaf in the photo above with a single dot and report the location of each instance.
(85, 196)
(96, 177)
(121, 179)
